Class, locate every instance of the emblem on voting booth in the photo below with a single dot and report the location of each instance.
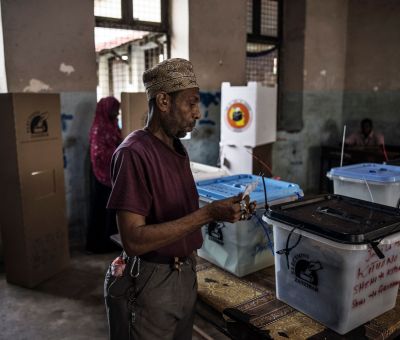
(37, 125)
(238, 115)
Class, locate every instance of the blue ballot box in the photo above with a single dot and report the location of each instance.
(378, 183)
(245, 246)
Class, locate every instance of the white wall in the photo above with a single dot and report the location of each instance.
(49, 45)
(3, 76)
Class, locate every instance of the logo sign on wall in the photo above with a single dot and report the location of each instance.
(238, 115)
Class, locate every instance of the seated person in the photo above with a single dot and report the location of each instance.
(366, 137)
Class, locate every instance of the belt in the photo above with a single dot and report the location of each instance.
(162, 259)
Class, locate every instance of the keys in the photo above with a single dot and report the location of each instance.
(247, 208)
(249, 188)
(177, 264)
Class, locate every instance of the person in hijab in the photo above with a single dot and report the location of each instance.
(105, 136)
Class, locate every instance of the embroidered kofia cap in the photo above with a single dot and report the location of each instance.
(169, 76)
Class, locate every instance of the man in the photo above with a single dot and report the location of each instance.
(366, 137)
(151, 289)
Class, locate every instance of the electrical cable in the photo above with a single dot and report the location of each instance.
(271, 245)
(384, 152)
(265, 165)
(343, 140)
(265, 193)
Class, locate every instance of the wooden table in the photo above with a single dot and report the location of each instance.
(247, 308)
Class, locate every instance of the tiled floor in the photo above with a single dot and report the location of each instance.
(68, 306)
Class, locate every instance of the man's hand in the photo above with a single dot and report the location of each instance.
(140, 238)
(226, 210)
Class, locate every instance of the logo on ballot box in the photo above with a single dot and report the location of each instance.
(238, 115)
(37, 125)
(214, 231)
(306, 271)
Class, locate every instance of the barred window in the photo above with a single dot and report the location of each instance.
(150, 15)
(108, 8)
(147, 10)
(263, 41)
(130, 37)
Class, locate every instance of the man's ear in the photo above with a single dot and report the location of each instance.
(163, 101)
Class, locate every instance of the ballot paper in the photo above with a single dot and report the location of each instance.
(250, 188)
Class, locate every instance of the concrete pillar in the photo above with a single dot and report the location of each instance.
(313, 89)
(212, 34)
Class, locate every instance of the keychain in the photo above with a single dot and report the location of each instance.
(248, 208)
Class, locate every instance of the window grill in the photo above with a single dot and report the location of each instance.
(146, 10)
(145, 15)
(130, 37)
(263, 41)
(269, 18)
(261, 66)
(249, 16)
(120, 69)
(120, 77)
(108, 8)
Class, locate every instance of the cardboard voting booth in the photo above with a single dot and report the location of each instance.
(33, 218)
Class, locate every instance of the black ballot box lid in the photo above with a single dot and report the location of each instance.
(339, 218)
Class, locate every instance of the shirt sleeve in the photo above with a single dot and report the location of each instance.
(130, 189)
(351, 139)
